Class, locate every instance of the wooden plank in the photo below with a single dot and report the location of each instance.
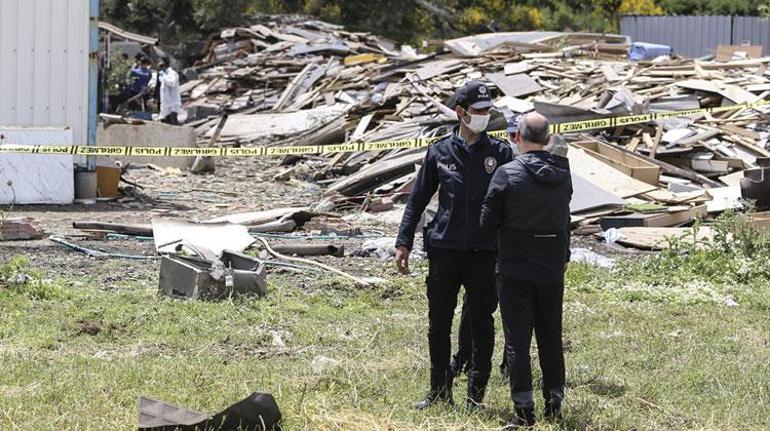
(700, 136)
(518, 67)
(514, 85)
(605, 176)
(655, 141)
(669, 168)
(666, 219)
(609, 73)
(735, 130)
(726, 52)
(657, 238)
(361, 127)
(627, 163)
(724, 198)
(515, 104)
(633, 143)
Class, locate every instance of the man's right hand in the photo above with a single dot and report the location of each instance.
(402, 259)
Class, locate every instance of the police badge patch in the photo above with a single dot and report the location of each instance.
(490, 163)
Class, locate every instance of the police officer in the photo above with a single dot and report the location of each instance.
(527, 205)
(460, 167)
(461, 360)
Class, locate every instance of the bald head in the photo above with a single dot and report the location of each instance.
(533, 129)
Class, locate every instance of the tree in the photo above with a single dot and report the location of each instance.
(211, 15)
(639, 7)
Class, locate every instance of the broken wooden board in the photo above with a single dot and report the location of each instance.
(605, 176)
(439, 67)
(677, 198)
(666, 219)
(659, 238)
(724, 198)
(587, 196)
(262, 127)
(732, 92)
(518, 67)
(726, 52)
(626, 162)
(514, 85)
(376, 174)
(301, 83)
(733, 179)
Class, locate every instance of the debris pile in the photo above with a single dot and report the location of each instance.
(300, 82)
(290, 81)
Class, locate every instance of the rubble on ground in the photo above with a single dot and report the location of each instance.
(290, 81)
(300, 82)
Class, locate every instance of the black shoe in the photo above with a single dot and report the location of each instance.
(522, 419)
(552, 411)
(477, 387)
(434, 396)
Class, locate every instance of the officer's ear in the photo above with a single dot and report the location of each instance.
(460, 112)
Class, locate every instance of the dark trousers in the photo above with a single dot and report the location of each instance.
(524, 306)
(474, 270)
(465, 339)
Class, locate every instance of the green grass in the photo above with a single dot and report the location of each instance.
(661, 354)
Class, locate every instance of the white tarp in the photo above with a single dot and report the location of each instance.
(37, 179)
(215, 237)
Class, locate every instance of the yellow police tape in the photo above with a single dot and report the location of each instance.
(571, 127)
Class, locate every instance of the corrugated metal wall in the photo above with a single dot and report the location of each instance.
(696, 36)
(756, 30)
(44, 64)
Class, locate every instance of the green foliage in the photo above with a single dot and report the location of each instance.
(211, 15)
(738, 254)
(17, 277)
(118, 71)
(764, 10)
(408, 21)
(712, 7)
(734, 265)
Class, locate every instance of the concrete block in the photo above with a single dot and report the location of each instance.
(150, 134)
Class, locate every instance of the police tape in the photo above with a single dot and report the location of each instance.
(560, 128)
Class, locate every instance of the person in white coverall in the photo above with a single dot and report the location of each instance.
(170, 97)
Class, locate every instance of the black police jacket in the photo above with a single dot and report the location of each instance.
(527, 205)
(461, 177)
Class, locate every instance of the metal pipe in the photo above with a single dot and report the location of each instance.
(93, 78)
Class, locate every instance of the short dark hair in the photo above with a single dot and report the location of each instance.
(534, 133)
(146, 61)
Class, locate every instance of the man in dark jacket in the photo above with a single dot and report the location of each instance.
(460, 167)
(527, 205)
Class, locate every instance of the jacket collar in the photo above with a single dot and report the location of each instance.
(457, 140)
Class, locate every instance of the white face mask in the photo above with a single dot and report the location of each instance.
(478, 123)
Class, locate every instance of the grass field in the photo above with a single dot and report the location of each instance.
(686, 354)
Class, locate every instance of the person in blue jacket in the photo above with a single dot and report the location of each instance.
(459, 167)
(527, 208)
(140, 75)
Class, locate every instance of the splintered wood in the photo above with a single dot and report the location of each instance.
(290, 81)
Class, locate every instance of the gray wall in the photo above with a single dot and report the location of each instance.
(696, 36)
